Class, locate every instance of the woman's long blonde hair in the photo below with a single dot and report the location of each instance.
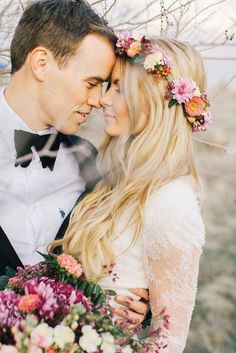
(134, 166)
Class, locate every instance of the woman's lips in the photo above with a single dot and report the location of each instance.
(108, 116)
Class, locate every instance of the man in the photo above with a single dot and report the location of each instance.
(61, 54)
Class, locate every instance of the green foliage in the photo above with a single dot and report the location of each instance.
(3, 282)
(136, 60)
(9, 272)
(172, 102)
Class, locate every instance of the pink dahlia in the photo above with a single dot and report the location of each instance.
(9, 312)
(183, 89)
(43, 287)
(70, 264)
(56, 297)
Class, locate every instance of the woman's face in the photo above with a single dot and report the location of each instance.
(115, 108)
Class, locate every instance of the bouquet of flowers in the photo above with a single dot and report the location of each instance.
(51, 308)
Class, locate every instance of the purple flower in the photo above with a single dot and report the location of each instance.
(147, 45)
(124, 41)
(183, 89)
(9, 313)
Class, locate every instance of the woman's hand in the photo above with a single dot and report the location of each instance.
(134, 311)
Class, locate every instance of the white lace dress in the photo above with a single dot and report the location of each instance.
(166, 257)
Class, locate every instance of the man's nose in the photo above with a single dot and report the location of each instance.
(94, 99)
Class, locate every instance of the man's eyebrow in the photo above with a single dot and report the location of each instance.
(97, 78)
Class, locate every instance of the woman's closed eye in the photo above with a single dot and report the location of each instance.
(117, 89)
(117, 85)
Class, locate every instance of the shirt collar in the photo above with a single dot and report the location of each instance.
(13, 122)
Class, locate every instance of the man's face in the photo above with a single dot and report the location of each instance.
(68, 94)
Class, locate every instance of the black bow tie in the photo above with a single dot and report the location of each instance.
(42, 143)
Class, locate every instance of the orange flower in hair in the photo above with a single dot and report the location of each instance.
(195, 107)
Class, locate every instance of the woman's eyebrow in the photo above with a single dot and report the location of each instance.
(116, 82)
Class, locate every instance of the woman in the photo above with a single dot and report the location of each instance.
(143, 219)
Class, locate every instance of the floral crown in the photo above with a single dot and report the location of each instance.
(183, 90)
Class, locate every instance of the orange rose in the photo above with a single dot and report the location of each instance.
(29, 302)
(70, 264)
(195, 106)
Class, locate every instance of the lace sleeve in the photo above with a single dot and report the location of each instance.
(173, 239)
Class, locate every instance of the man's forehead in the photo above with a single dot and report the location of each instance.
(92, 42)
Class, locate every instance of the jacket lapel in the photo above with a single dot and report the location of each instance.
(86, 155)
(61, 232)
(8, 256)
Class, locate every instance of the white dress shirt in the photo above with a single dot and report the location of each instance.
(33, 200)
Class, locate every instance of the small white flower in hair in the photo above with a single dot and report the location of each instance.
(152, 60)
(197, 92)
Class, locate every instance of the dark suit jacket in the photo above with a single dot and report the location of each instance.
(86, 157)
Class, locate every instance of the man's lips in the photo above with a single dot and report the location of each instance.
(82, 117)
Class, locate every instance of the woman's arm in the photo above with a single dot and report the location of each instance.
(173, 285)
(173, 242)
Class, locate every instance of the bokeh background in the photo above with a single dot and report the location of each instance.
(210, 26)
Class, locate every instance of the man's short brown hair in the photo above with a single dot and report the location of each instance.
(58, 25)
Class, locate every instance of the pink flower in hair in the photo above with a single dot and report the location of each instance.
(204, 122)
(124, 41)
(134, 49)
(183, 89)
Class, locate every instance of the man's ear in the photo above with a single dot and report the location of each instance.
(40, 59)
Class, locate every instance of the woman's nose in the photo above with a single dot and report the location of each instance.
(105, 100)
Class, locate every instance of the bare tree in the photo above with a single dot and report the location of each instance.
(183, 19)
